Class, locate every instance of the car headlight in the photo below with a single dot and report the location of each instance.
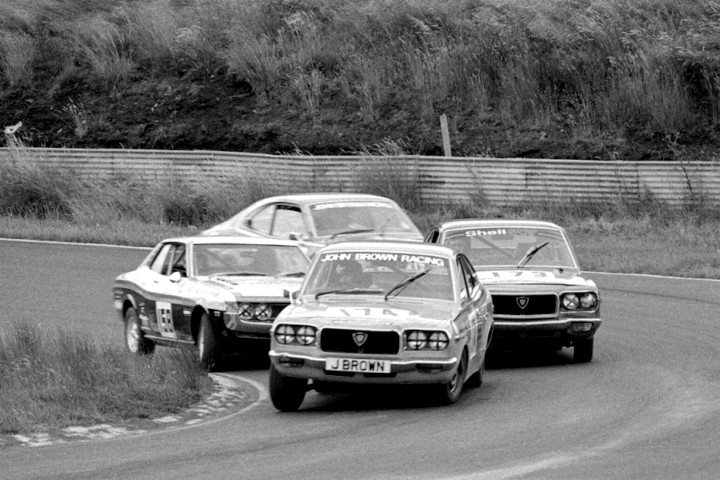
(589, 301)
(306, 335)
(580, 301)
(571, 301)
(246, 311)
(416, 340)
(263, 312)
(289, 334)
(438, 341)
(285, 334)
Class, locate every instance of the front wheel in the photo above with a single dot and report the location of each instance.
(583, 350)
(207, 343)
(286, 393)
(135, 340)
(448, 393)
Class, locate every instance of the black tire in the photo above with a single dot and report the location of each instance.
(449, 393)
(476, 379)
(286, 393)
(583, 350)
(135, 340)
(207, 343)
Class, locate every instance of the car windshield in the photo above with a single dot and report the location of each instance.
(249, 260)
(389, 274)
(510, 247)
(346, 218)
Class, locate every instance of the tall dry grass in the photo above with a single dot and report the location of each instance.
(54, 379)
(597, 65)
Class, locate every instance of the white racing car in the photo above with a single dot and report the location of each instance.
(380, 313)
(540, 296)
(219, 294)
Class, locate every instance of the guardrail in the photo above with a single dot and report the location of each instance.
(501, 181)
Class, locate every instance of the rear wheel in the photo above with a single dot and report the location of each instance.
(286, 393)
(449, 392)
(583, 350)
(207, 343)
(135, 340)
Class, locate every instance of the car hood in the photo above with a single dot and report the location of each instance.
(521, 277)
(371, 311)
(256, 286)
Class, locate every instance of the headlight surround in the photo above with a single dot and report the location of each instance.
(297, 335)
(416, 339)
(580, 301)
(435, 340)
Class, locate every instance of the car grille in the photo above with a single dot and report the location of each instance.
(341, 341)
(537, 306)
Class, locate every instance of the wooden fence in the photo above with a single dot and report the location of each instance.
(500, 181)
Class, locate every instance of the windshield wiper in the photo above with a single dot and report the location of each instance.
(290, 274)
(530, 253)
(404, 283)
(350, 232)
(352, 290)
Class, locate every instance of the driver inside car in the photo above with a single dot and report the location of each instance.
(350, 274)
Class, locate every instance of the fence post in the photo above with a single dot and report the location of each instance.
(445, 135)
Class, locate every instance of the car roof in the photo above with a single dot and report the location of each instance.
(236, 240)
(495, 223)
(391, 247)
(312, 198)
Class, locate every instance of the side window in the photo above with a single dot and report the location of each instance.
(469, 274)
(288, 219)
(432, 236)
(178, 260)
(262, 220)
(160, 259)
(461, 280)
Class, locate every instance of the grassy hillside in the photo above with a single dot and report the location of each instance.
(606, 79)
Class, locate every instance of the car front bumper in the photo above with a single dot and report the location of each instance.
(427, 371)
(563, 331)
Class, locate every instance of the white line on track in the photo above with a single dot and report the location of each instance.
(54, 242)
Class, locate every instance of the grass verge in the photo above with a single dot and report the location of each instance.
(51, 380)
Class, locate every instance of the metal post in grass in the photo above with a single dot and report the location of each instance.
(445, 135)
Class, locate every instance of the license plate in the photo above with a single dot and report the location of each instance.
(357, 365)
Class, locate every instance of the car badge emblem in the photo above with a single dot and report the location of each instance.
(522, 302)
(360, 338)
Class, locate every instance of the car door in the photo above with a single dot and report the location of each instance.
(468, 311)
(481, 301)
(165, 303)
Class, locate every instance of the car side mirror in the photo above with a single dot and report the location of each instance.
(175, 277)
